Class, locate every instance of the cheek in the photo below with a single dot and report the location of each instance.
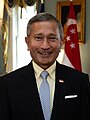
(33, 46)
(57, 47)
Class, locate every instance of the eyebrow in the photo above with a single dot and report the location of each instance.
(51, 34)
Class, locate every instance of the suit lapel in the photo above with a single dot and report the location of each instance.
(61, 76)
(31, 91)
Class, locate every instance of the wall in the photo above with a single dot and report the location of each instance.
(85, 48)
(50, 6)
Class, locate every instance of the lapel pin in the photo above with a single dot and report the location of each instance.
(61, 81)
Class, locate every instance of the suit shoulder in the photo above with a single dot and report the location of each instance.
(18, 72)
(71, 71)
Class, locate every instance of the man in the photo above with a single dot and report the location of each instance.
(20, 97)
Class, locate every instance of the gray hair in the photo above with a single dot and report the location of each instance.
(44, 17)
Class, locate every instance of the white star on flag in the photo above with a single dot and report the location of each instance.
(72, 45)
(72, 54)
(68, 38)
(72, 31)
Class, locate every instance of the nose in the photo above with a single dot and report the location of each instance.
(45, 44)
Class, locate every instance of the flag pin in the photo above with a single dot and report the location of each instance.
(61, 81)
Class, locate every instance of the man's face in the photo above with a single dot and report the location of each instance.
(44, 43)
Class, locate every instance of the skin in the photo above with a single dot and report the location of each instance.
(44, 43)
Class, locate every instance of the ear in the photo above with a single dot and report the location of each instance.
(27, 42)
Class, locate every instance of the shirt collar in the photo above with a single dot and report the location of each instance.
(37, 69)
(50, 70)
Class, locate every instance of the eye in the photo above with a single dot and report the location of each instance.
(52, 38)
(38, 38)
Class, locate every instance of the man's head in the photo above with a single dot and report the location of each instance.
(44, 39)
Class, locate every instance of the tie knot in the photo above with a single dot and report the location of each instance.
(44, 74)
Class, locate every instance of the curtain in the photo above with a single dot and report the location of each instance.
(4, 42)
(21, 3)
(40, 6)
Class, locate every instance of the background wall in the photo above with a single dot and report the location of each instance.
(50, 6)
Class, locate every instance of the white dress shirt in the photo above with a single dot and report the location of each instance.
(50, 78)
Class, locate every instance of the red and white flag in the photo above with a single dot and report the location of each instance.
(72, 53)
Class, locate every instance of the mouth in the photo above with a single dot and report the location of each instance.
(45, 54)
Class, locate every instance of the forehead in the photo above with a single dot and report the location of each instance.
(44, 25)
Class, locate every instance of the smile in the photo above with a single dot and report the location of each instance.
(45, 54)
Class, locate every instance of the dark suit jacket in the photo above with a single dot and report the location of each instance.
(19, 97)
